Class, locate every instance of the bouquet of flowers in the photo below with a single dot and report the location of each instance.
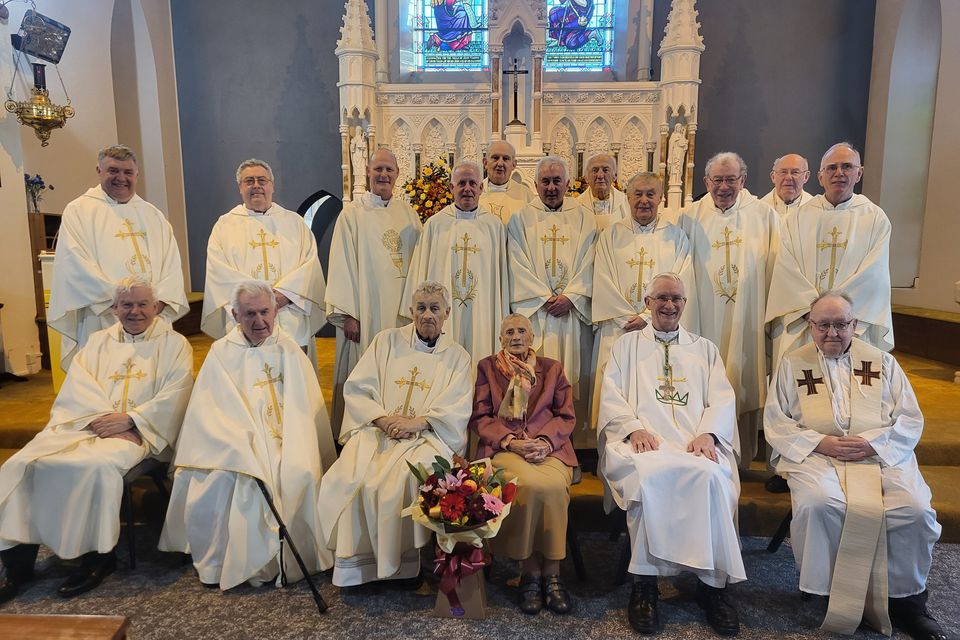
(430, 192)
(579, 185)
(463, 503)
(35, 187)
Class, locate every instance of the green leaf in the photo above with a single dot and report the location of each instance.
(418, 472)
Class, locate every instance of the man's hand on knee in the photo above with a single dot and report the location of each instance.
(112, 424)
(131, 435)
(642, 440)
(703, 445)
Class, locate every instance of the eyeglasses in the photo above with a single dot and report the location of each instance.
(727, 180)
(259, 181)
(793, 173)
(666, 299)
(845, 167)
(839, 327)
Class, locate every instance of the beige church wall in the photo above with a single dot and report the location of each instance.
(939, 267)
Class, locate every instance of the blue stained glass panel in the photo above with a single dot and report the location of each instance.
(579, 35)
(449, 35)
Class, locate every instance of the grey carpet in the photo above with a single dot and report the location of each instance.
(164, 599)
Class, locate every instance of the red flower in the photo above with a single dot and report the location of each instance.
(509, 490)
(452, 506)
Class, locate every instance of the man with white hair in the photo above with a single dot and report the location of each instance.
(789, 174)
(733, 245)
(122, 401)
(466, 246)
(843, 423)
(108, 234)
(551, 248)
(256, 415)
(408, 400)
(370, 253)
(667, 452)
(839, 240)
(607, 203)
(502, 194)
(261, 240)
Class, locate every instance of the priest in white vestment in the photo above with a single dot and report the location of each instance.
(503, 195)
(408, 401)
(839, 240)
(261, 240)
(667, 453)
(789, 174)
(733, 244)
(256, 414)
(843, 423)
(551, 248)
(108, 234)
(122, 401)
(607, 203)
(465, 246)
(629, 253)
(370, 253)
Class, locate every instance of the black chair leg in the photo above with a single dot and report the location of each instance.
(781, 533)
(128, 508)
(624, 563)
(573, 541)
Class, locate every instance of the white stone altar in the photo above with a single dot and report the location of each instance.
(422, 120)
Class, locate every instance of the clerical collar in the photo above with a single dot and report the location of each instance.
(836, 358)
(129, 337)
(666, 337)
(645, 228)
(498, 188)
(460, 214)
(557, 210)
(251, 212)
(373, 200)
(424, 345)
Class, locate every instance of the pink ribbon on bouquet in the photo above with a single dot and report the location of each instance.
(452, 567)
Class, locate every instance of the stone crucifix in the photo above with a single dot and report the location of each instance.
(133, 235)
(467, 250)
(127, 376)
(833, 246)
(726, 245)
(553, 251)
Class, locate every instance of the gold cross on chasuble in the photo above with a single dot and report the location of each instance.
(265, 267)
(138, 258)
(275, 405)
(423, 385)
(667, 393)
(833, 246)
(726, 285)
(467, 250)
(553, 251)
(463, 293)
(640, 264)
(126, 376)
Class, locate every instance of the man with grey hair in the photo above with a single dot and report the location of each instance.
(838, 240)
(843, 423)
(503, 194)
(256, 415)
(551, 246)
(668, 449)
(607, 203)
(370, 252)
(790, 172)
(107, 234)
(733, 245)
(259, 239)
(122, 401)
(408, 400)
(466, 246)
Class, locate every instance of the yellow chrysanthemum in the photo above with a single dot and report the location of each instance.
(427, 171)
(428, 204)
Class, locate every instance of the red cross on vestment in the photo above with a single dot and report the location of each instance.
(865, 373)
(809, 381)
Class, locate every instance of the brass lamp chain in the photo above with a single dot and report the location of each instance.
(63, 86)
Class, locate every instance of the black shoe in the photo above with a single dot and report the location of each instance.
(643, 611)
(93, 569)
(531, 597)
(18, 561)
(776, 484)
(408, 584)
(9, 589)
(910, 615)
(556, 595)
(721, 615)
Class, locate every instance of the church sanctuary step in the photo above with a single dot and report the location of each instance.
(189, 325)
(928, 333)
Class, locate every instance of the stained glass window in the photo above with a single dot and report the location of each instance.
(579, 35)
(449, 35)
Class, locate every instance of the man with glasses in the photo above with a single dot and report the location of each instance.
(261, 240)
(839, 240)
(843, 422)
(733, 244)
(789, 174)
(667, 447)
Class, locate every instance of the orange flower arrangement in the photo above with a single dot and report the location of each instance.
(430, 192)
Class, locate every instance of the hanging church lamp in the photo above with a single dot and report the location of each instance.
(43, 38)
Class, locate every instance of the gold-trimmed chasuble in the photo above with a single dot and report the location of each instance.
(640, 264)
(275, 408)
(265, 267)
(138, 257)
(831, 272)
(463, 293)
(126, 376)
(553, 240)
(423, 385)
(726, 285)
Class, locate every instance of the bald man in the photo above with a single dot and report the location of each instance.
(789, 174)
(502, 195)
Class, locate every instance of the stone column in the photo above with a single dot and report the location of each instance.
(691, 146)
(345, 165)
(381, 26)
(650, 148)
(536, 137)
(662, 167)
(371, 139)
(495, 79)
(581, 147)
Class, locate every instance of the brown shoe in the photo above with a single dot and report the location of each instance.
(556, 595)
(531, 597)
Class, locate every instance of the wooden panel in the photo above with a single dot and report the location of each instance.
(927, 337)
(73, 627)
